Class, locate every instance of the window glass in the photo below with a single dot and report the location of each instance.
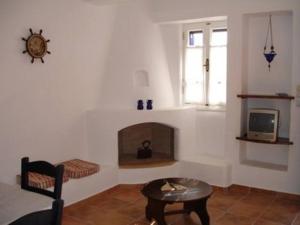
(218, 37)
(194, 75)
(217, 76)
(195, 38)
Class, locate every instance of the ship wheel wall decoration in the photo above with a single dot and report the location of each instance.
(269, 55)
(36, 46)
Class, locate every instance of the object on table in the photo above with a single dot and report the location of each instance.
(172, 187)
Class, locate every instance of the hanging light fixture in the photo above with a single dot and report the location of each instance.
(271, 54)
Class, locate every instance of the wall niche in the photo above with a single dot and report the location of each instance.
(257, 80)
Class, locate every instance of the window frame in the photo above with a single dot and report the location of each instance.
(207, 29)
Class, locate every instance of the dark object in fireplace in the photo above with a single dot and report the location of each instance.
(144, 152)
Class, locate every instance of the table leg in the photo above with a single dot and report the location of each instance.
(188, 208)
(198, 207)
(155, 210)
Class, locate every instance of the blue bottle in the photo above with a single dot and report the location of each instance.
(140, 104)
(149, 104)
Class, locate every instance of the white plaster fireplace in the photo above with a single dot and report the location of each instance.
(103, 126)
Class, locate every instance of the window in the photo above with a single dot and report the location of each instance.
(205, 63)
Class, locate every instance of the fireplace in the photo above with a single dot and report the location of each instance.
(145, 144)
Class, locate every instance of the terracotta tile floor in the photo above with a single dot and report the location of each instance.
(237, 205)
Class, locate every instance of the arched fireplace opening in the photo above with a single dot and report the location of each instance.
(145, 144)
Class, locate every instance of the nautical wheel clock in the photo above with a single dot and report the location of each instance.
(36, 46)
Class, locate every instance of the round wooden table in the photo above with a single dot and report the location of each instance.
(192, 193)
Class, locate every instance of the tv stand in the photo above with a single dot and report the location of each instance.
(284, 97)
(279, 141)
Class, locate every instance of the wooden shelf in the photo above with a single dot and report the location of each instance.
(266, 96)
(280, 141)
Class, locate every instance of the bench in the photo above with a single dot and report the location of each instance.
(77, 168)
(81, 179)
(73, 169)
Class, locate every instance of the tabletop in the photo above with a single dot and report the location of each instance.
(16, 202)
(182, 190)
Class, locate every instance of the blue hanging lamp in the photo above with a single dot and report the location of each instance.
(269, 55)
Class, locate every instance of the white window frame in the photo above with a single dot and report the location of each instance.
(206, 28)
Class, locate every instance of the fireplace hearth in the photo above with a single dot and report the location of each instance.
(145, 144)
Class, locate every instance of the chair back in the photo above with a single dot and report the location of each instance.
(45, 168)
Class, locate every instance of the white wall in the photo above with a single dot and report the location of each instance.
(136, 45)
(169, 11)
(96, 50)
(95, 54)
(42, 106)
(211, 133)
(259, 79)
(172, 44)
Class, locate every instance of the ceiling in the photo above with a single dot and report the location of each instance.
(105, 2)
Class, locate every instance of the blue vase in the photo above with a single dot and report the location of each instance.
(270, 56)
(149, 104)
(140, 104)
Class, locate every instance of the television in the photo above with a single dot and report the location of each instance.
(262, 124)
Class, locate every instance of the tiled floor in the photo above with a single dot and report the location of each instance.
(124, 205)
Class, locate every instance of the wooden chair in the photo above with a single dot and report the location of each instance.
(45, 168)
(45, 217)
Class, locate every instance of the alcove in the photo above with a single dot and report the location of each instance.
(260, 87)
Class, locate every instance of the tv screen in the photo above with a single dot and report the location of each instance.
(262, 122)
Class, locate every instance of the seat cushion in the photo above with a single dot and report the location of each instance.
(77, 168)
(42, 181)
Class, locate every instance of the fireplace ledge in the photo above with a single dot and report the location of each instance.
(148, 165)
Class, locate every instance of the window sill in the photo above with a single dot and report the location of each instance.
(211, 108)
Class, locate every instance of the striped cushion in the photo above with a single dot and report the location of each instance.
(77, 168)
(42, 181)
